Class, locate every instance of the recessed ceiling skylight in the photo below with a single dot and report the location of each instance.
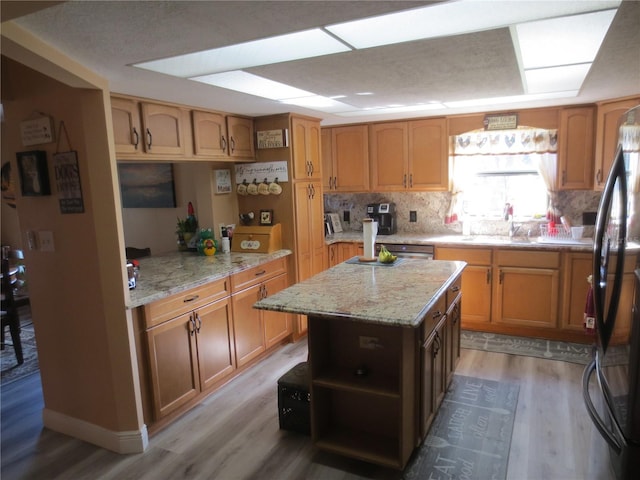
(283, 48)
(253, 85)
(554, 79)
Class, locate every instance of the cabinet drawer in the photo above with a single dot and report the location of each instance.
(453, 291)
(255, 275)
(433, 317)
(175, 305)
(473, 256)
(521, 258)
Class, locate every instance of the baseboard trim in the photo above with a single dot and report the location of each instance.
(133, 441)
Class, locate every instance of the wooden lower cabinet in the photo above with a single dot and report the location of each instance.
(341, 251)
(189, 354)
(255, 331)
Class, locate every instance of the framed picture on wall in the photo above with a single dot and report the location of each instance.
(34, 174)
(147, 185)
(266, 217)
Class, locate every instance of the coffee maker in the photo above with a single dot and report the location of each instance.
(385, 215)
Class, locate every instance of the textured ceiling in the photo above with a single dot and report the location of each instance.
(107, 37)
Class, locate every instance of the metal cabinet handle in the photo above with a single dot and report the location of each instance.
(313, 191)
(191, 326)
(198, 323)
(501, 278)
(437, 314)
(261, 272)
(404, 181)
(488, 276)
(436, 345)
(191, 298)
(411, 180)
(599, 176)
(223, 143)
(335, 183)
(150, 139)
(233, 144)
(455, 288)
(136, 138)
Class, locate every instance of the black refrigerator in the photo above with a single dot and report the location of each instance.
(615, 406)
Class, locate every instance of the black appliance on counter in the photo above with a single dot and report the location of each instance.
(385, 215)
(618, 416)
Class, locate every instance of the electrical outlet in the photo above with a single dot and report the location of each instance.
(413, 216)
(346, 216)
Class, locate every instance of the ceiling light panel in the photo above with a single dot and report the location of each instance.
(253, 85)
(554, 79)
(454, 18)
(563, 41)
(283, 48)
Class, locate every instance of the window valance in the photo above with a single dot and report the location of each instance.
(504, 142)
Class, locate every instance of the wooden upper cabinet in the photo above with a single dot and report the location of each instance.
(327, 159)
(306, 149)
(209, 133)
(162, 125)
(428, 155)
(349, 159)
(575, 148)
(240, 131)
(607, 136)
(127, 132)
(389, 156)
(410, 155)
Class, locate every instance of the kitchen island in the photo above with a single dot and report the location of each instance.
(383, 344)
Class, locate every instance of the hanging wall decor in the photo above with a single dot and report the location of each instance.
(67, 173)
(34, 175)
(147, 185)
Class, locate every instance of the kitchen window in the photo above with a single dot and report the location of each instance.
(491, 169)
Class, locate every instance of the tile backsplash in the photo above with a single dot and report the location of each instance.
(431, 208)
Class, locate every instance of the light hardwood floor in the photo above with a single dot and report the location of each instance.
(234, 433)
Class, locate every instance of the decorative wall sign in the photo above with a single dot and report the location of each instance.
(34, 175)
(223, 181)
(67, 173)
(273, 138)
(36, 131)
(147, 185)
(507, 121)
(247, 172)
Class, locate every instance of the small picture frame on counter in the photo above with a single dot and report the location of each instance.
(266, 217)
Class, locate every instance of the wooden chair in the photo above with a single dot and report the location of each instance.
(10, 317)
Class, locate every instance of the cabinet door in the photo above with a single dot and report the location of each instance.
(453, 347)
(328, 180)
(389, 156)
(607, 136)
(578, 267)
(575, 148)
(162, 129)
(306, 149)
(350, 152)
(310, 229)
(247, 325)
(476, 285)
(173, 364)
(209, 134)
(277, 325)
(433, 376)
(125, 114)
(526, 297)
(215, 342)
(332, 253)
(240, 137)
(346, 250)
(428, 155)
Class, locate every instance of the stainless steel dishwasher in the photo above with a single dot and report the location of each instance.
(408, 251)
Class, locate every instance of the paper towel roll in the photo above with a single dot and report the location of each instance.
(369, 232)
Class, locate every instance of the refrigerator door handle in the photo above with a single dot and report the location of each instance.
(616, 443)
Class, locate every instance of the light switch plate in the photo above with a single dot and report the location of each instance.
(45, 240)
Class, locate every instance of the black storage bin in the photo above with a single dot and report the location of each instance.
(294, 400)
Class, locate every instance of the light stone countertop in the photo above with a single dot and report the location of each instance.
(171, 273)
(582, 245)
(398, 294)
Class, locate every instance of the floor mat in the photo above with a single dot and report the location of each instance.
(471, 434)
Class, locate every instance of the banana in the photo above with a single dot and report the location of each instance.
(385, 256)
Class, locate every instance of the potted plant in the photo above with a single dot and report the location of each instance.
(186, 230)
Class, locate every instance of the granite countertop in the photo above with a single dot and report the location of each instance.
(398, 294)
(582, 245)
(171, 273)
